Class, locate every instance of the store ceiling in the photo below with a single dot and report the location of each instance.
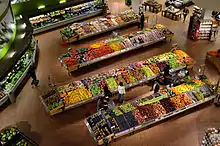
(208, 4)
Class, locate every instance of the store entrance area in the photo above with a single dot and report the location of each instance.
(68, 128)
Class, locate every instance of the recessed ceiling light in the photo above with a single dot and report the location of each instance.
(11, 54)
(41, 6)
(62, 1)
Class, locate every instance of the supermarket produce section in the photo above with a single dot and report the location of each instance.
(89, 89)
(65, 16)
(143, 112)
(79, 31)
(112, 47)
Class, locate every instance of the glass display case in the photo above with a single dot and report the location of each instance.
(64, 16)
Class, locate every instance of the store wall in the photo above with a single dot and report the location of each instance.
(30, 8)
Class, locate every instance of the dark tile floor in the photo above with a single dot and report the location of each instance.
(68, 129)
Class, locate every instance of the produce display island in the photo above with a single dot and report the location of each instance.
(89, 89)
(112, 47)
(54, 19)
(107, 126)
(79, 31)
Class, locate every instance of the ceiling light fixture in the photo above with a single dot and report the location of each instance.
(62, 1)
(41, 7)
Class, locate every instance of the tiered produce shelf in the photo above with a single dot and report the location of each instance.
(146, 111)
(79, 31)
(115, 46)
(89, 89)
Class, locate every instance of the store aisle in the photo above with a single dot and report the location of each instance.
(69, 129)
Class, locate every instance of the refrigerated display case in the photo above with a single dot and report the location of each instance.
(61, 17)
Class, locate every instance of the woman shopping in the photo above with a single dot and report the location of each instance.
(121, 92)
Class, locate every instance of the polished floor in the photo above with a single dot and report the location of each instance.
(68, 129)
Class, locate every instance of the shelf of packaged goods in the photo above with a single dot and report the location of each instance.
(205, 24)
(203, 38)
(102, 31)
(201, 32)
(120, 52)
(67, 21)
(4, 99)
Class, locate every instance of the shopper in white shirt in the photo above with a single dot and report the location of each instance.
(121, 92)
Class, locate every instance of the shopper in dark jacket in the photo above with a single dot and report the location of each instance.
(107, 93)
(185, 13)
(167, 75)
(142, 21)
(100, 103)
(156, 87)
(32, 74)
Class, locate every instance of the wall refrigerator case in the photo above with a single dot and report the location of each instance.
(18, 73)
(54, 19)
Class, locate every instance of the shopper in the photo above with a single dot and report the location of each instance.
(142, 21)
(167, 76)
(105, 103)
(156, 87)
(100, 104)
(121, 92)
(107, 93)
(185, 13)
(32, 74)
